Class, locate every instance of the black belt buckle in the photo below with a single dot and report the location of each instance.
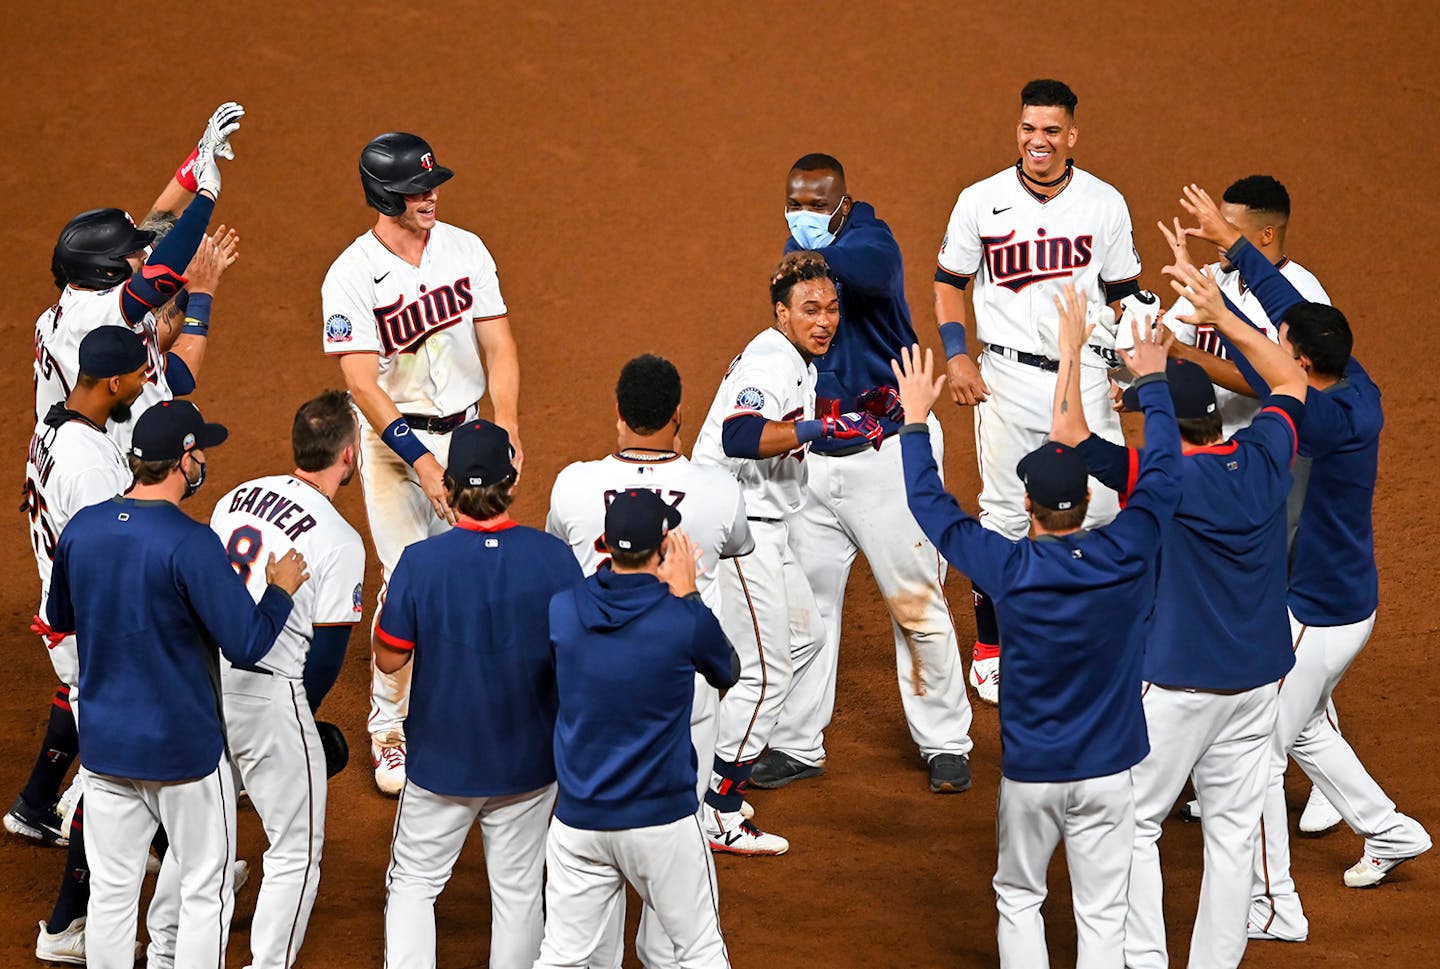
(434, 425)
(1029, 359)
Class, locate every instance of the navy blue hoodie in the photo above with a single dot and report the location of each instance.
(626, 655)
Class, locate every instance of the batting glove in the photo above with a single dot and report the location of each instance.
(854, 426)
(883, 402)
(41, 628)
(222, 124)
(207, 172)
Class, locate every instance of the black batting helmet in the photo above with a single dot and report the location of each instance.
(92, 248)
(397, 164)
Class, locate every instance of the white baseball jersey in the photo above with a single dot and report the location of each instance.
(1237, 410)
(1022, 249)
(771, 379)
(712, 509)
(272, 515)
(69, 467)
(417, 318)
(58, 333)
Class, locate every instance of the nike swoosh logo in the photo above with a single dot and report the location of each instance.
(993, 211)
(379, 279)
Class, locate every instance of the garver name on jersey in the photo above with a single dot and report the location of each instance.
(1016, 265)
(405, 325)
(268, 506)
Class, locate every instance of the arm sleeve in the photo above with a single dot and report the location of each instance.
(244, 629)
(59, 610)
(1275, 293)
(324, 662)
(1113, 465)
(489, 304)
(869, 261)
(397, 626)
(740, 435)
(960, 250)
(162, 275)
(349, 308)
(1122, 260)
(1247, 370)
(178, 375)
(712, 651)
(338, 585)
(979, 553)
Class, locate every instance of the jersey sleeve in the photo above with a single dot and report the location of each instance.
(555, 523)
(1121, 261)
(89, 487)
(1184, 332)
(397, 626)
(339, 588)
(749, 389)
(1111, 464)
(59, 608)
(960, 249)
(485, 285)
(348, 305)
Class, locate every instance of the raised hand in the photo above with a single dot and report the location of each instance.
(222, 124)
(680, 564)
(210, 261)
(1151, 350)
(854, 426)
(1213, 226)
(919, 387)
(1200, 288)
(1073, 332)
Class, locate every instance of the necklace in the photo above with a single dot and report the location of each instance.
(1069, 163)
(646, 454)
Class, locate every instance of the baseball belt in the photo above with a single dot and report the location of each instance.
(436, 425)
(1029, 359)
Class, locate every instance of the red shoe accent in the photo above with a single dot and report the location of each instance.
(985, 651)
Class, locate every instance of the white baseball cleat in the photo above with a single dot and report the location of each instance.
(1319, 814)
(1252, 931)
(734, 834)
(242, 874)
(746, 810)
(66, 946)
(389, 766)
(985, 678)
(1371, 871)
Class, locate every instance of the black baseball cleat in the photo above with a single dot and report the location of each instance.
(42, 827)
(777, 768)
(949, 774)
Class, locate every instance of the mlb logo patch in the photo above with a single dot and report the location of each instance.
(750, 399)
(338, 329)
(356, 598)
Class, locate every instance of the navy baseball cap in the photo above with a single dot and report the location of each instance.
(637, 520)
(172, 427)
(1190, 390)
(1054, 475)
(480, 454)
(110, 351)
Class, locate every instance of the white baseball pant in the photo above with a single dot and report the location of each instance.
(64, 657)
(430, 830)
(400, 515)
(121, 816)
(1322, 655)
(1096, 820)
(669, 866)
(1222, 742)
(857, 503)
(1015, 421)
(282, 765)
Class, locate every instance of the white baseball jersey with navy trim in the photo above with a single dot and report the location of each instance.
(58, 333)
(417, 318)
(1021, 250)
(69, 467)
(272, 515)
(712, 510)
(771, 379)
(1237, 410)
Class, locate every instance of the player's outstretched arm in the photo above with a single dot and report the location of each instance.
(183, 185)
(362, 379)
(1067, 419)
(751, 436)
(952, 310)
(187, 337)
(502, 373)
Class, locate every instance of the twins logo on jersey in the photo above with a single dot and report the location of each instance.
(1017, 264)
(405, 325)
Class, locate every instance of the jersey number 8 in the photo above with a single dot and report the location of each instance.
(243, 549)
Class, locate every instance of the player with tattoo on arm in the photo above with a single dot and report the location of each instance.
(410, 307)
(1076, 604)
(1022, 235)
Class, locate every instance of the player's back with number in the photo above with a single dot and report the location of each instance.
(270, 516)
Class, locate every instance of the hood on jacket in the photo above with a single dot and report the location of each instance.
(607, 601)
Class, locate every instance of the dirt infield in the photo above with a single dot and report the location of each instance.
(626, 170)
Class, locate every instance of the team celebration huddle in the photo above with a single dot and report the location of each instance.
(601, 694)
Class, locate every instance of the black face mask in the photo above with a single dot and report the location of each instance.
(193, 486)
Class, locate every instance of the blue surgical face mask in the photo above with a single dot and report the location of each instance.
(812, 229)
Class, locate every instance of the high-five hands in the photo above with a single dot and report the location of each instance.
(1073, 330)
(918, 385)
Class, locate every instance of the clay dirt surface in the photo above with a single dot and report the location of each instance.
(625, 165)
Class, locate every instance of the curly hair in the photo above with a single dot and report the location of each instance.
(648, 393)
(795, 268)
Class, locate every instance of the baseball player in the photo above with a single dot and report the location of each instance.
(410, 307)
(647, 455)
(1333, 588)
(1259, 206)
(470, 606)
(72, 464)
(1218, 644)
(269, 706)
(1021, 235)
(854, 502)
(107, 280)
(627, 643)
(1076, 604)
(758, 428)
(151, 740)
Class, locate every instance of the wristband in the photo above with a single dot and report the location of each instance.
(399, 437)
(807, 431)
(185, 174)
(197, 315)
(952, 334)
